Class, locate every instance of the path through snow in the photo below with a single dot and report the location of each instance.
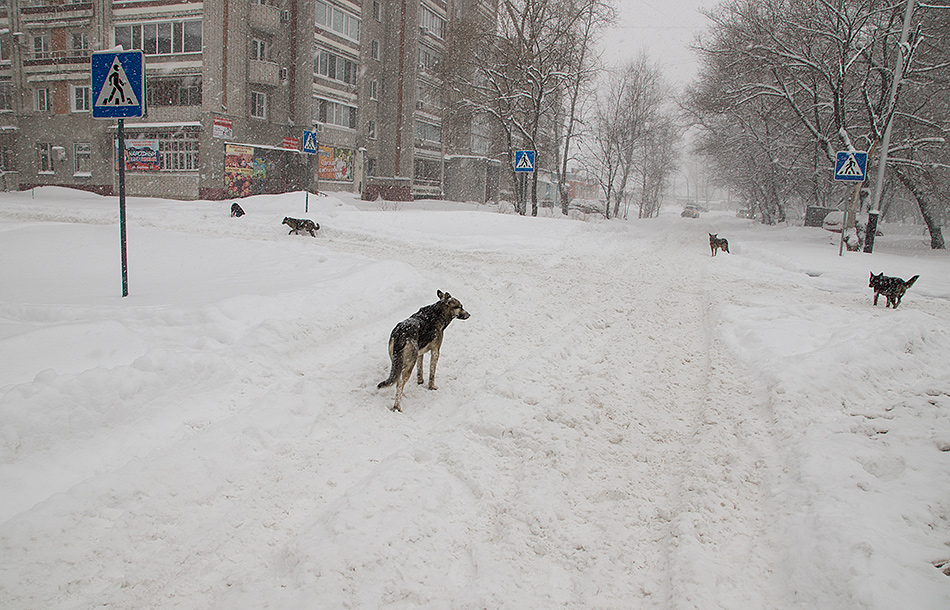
(595, 441)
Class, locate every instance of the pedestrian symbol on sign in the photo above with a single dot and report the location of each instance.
(116, 91)
(850, 166)
(524, 160)
(118, 84)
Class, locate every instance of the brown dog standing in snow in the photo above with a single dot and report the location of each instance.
(420, 333)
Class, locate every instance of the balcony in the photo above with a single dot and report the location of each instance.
(263, 73)
(264, 17)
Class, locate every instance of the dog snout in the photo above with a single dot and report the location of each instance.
(464, 315)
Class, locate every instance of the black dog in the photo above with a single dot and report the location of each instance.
(891, 287)
(236, 210)
(716, 242)
(301, 224)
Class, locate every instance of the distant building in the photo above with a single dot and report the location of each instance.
(231, 87)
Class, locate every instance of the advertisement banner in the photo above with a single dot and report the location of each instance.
(238, 167)
(259, 171)
(222, 128)
(141, 155)
(334, 163)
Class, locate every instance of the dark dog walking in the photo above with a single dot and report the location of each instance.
(236, 210)
(301, 224)
(420, 333)
(891, 287)
(717, 243)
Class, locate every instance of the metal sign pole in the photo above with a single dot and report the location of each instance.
(122, 237)
(118, 92)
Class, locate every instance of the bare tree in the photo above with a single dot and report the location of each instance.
(630, 105)
(822, 72)
(524, 72)
(658, 166)
(577, 87)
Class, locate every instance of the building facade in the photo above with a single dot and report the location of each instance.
(231, 88)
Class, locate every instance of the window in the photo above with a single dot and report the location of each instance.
(41, 100)
(334, 67)
(177, 150)
(189, 94)
(258, 49)
(7, 159)
(80, 44)
(258, 104)
(428, 132)
(44, 158)
(371, 130)
(6, 97)
(81, 98)
(334, 113)
(82, 158)
(5, 54)
(432, 23)
(429, 59)
(377, 14)
(178, 91)
(341, 22)
(374, 50)
(427, 170)
(371, 167)
(160, 38)
(41, 47)
(373, 93)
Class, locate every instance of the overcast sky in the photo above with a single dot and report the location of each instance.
(664, 28)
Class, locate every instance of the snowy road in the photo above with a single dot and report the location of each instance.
(622, 422)
(628, 439)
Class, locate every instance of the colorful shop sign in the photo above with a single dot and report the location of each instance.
(238, 167)
(335, 163)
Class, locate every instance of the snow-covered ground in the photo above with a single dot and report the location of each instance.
(624, 421)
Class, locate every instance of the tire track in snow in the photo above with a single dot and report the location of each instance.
(627, 418)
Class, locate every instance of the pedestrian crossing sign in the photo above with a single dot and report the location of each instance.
(309, 142)
(524, 160)
(851, 166)
(118, 84)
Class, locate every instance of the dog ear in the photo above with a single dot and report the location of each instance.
(442, 295)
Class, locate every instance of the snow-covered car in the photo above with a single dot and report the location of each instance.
(833, 221)
(744, 213)
(690, 211)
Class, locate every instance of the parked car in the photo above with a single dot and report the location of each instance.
(833, 221)
(744, 213)
(690, 211)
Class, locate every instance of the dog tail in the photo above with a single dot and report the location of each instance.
(395, 356)
(392, 377)
(911, 281)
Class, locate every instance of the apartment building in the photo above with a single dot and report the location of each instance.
(231, 87)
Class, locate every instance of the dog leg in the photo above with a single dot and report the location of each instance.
(408, 360)
(433, 360)
(419, 378)
(401, 387)
(876, 295)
